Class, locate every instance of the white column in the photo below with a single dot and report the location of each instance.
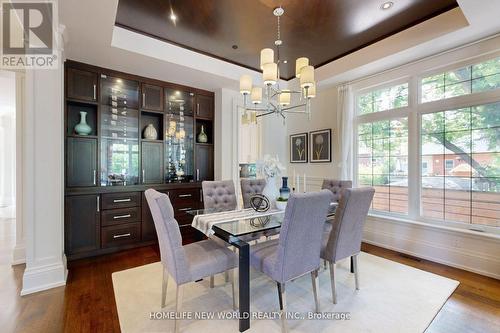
(19, 252)
(43, 180)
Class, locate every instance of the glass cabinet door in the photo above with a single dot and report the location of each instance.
(179, 148)
(179, 102)
(119, 93)
(119, 146)
(119, 128)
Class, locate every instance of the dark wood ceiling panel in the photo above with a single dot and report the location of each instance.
(323, 30)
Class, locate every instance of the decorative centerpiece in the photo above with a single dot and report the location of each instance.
(270, 168)
(259, 203)
(202, 137)
(284, 190)
(281, 203)
(83, 128)
(150, 132)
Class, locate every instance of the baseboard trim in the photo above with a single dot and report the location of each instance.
(18, 255)
(44, 277)
(416, 248)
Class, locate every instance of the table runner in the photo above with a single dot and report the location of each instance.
(205, 222)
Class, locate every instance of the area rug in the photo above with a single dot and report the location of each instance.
(392, 298)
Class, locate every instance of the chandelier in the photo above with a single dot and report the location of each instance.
(278, 101)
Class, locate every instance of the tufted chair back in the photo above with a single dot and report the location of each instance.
(172, 253)
(219, 194)
(300, 237)
(250, 187)
(336, 187)
(347, 228)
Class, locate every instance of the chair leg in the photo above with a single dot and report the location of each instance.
(356, 270)
(325, 264)
(226, 276)
(314, 279)
(332, 281)
(212, 283)
(178, 305)
(164, 286)
(282, 300)
(233, 287)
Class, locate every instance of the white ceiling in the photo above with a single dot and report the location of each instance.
(92, 38)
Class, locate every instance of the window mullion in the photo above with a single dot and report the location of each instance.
(414, 160)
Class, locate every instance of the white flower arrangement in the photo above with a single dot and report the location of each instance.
(270, 167)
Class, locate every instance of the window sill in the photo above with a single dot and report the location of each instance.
(431, 226)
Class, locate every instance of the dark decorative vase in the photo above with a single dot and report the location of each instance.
(285, 190)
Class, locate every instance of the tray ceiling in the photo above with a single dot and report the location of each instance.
(236, 31)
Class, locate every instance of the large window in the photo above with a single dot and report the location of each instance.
(433, 161)
(480, 77)
(384, 99)
(383, 163)
(462, 148)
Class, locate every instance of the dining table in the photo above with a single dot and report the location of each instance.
(237, 228)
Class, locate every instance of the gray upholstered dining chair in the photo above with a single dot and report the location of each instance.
(297, 251)
(342, 239)
(336, 187)
(185, 263)
(219, 194)
(249, 187)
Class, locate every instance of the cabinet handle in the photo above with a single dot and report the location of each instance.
(184, 209)
(185, 195)
(201, 195)
(143, 175)
(198, 175)
(143, 100)
(95, 177)
(117, 217)
(98, 203)
(121, 235)
(197, 109)
(122, 200)
(95, 92)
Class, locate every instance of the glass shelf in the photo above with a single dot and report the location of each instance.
(179, 148)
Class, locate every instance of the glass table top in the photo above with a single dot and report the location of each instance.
(251, 225)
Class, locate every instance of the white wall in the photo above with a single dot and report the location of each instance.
(7, 138)
(323, 116)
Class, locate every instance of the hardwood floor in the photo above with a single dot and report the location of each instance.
(87, 302)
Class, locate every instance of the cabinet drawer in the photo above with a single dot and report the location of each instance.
(122, 234)
(120, 216)
(121, 200)
(185, 198)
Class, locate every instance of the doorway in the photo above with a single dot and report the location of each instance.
(7, 167)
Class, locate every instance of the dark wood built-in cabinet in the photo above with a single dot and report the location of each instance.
(108, 170)
(204, 107)
(81, 85)
(81, 162)
(152, 97)
(82, 224)
(152, 163)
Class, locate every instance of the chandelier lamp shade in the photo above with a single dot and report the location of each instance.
(270, 99)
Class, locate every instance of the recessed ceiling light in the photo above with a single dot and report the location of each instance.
(285, 61)
(234, 47)
(173, 17)
(387, 5)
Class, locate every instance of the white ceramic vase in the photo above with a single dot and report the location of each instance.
(281, 205)
(150, 132)
(271, 191)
